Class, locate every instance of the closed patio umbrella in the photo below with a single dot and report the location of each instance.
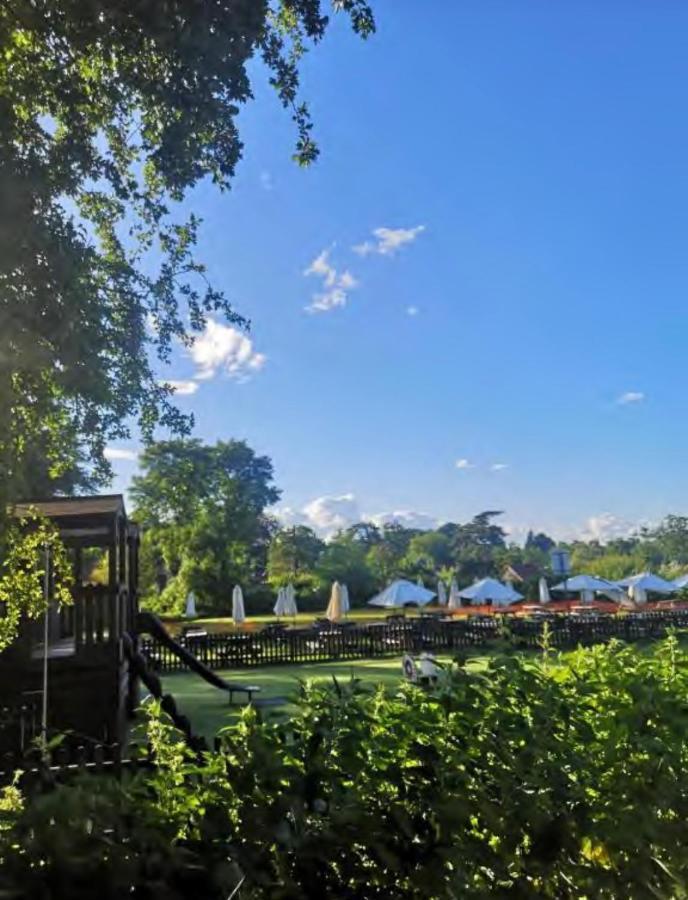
(291, 607)
(346, 604)
(334, 607)
(281, 608)
(441, 593)
(543, 591)
(238, 611)
(637, 594)
(454, 598)
(190, 611)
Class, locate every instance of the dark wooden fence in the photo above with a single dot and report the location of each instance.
(63, 762)
(398, 636)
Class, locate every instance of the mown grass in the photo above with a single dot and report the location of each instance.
(208, 709)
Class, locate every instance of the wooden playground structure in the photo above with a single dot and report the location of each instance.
(92, 691)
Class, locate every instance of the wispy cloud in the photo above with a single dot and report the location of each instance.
(266, 180)
(409, 518)
(412, 310)
(336, 285)
(388, 240)
(221, 348)
(464, 464)
(183, 388)
(630, 397)
(120, 453)
(498, 467)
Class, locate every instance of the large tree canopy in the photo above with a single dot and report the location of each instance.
(203, 512)
(110, 111)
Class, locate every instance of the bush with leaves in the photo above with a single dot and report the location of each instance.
(564, 777)
(25, 549)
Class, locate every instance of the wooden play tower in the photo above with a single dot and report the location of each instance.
(91, 691)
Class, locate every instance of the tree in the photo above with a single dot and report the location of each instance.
(669, 539)
(110, 112)
(427, 554)
(293, 556)
(365, 533)
(476, 546)
(348, 563)
(203, 511)
(539, 541)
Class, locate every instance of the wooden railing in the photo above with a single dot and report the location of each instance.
(97, 616)
(232, 651)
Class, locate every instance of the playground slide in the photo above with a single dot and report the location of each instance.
(139, 668)
(151, 624)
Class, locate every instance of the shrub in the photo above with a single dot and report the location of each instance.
(551, 778)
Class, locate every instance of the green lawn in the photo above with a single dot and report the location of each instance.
(208, 710)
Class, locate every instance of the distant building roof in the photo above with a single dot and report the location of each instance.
(521, 572)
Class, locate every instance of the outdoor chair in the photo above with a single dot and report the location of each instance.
(422, 671)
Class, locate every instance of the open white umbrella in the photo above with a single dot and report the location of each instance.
(492, 590)
(580, 583)
(190, 610)
(281, 607)
(334, 607)
(346, 604)
(543, 591)
(647, 581)
(454, 598)
(401, 593)
(238, 611)
(681, 582)
(290, 595)
(441, 593)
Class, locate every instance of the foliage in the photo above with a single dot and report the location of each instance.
(292, 557)
(203, 513)
(110, 113)
(561, 778)
(31, 545)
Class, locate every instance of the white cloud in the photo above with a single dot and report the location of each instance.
(321, 266)
(606, 527)
(388, 240)
(630, 397)
(499, 467)
(266, 180)
(330, 514)
(406, 517)
(336, 285)
(120, 453)
(464, 464)
(412, 310)
(183, 388)
(223, 348)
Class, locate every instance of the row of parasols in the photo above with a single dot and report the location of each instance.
(402, 593)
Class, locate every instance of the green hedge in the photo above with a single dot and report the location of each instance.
(566, 777)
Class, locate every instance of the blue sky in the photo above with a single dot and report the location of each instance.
(542, 148)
